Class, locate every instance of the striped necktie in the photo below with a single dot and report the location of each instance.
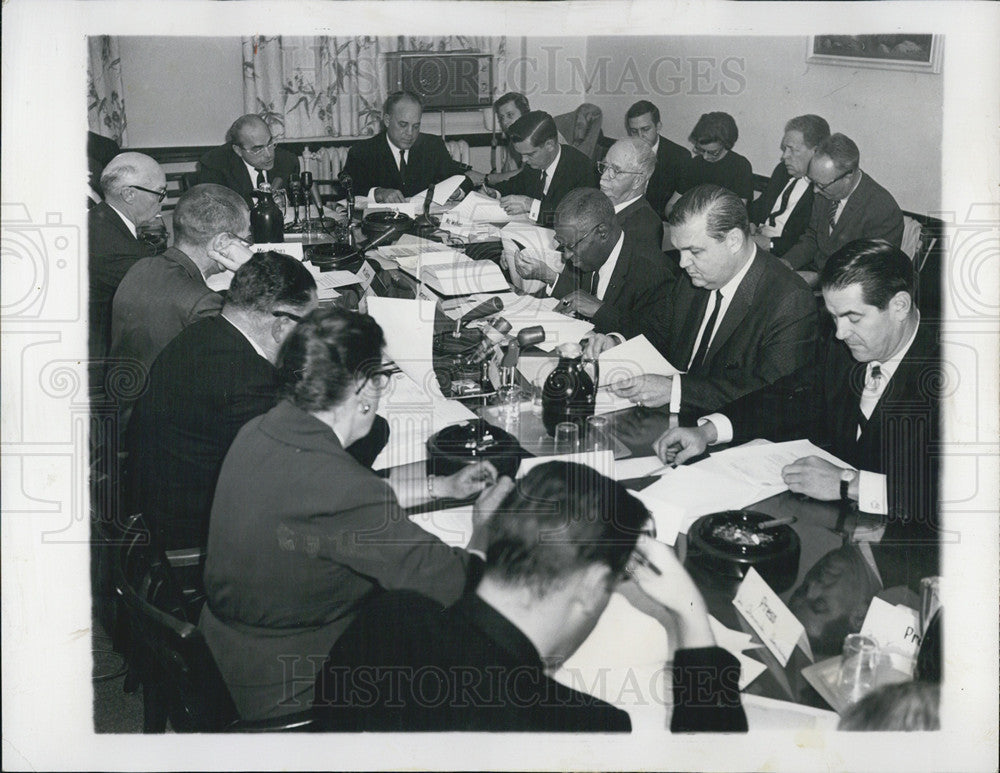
(785, 196)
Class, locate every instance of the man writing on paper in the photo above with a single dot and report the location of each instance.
(401, 161)
(608, 278)
(740, 319)
(872, 400)
(550, 170)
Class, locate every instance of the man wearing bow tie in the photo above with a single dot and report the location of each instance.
(873, 400)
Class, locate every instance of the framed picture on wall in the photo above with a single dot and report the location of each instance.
(917, 53)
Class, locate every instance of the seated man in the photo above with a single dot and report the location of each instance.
(161, 295)
(782, 212)
(247, 159)
(739, 320)
(643, 121)
(558, 547)
(625, 173)
(134, 186)
(215, 376)
(871, 401)
(608, 278)
(550, 170)
(401, 161)
(850, 205)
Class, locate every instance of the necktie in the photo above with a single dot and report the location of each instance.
(785, 196)
(541, 184)
(594, 281)
(833, 214)
(874, 384)
(261, 179)
(402, 166)
(706, 336)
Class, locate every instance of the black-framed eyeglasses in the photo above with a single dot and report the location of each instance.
(160, 195)
(822, 187)
(378, 378)
(259, 148)
(604, 166)
(709, 155)
(572, 247)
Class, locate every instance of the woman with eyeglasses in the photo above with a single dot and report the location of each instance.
(714, 161)
(301, 534)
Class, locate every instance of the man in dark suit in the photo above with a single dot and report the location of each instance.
(550, 170)
(558, 547)
(213, 377)
(849, 205)
(134, 186)
(740, 320)
(248, 158)
(625, 173)
(871, 401)
(643, 121)
(781, 213)
(608, 278)
(100, 151)
(401, 161)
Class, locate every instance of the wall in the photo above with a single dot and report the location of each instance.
(894, 117)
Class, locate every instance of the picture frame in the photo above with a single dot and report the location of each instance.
(908, 52)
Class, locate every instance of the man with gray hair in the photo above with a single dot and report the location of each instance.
(161, 295)
(849, 205)
(134, 187)
(625, 173)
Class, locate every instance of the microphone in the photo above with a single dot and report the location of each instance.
(485, 309)
(526, 337)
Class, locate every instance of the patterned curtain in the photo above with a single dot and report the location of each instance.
(333, 87)
(105, 100)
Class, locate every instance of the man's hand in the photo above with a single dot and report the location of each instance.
(579, 302)
(516, 205)
(660, 575)
(470, 480)
(483, 510)
(229, 251)
(595, 343)
(677, 445)
(388, 196)
(529, 267)
(651, 391)
(457, 196)
(814, 477)
(493, 193)
(478, 178)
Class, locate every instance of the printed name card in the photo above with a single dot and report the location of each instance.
(770, 619)
(896, 629)
(294, 249)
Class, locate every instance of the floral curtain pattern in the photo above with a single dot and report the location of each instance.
(105, 101)
(334, 86)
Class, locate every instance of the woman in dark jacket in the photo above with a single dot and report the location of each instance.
(714, 159)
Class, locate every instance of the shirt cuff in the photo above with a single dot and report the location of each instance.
(371, 194)
(477, 553)
(872, 496)
(536, 206)
(675, 394)
(619, 338)
(723, 427)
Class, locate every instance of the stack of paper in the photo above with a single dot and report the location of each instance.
(442, 190)
(635, 357)
(477, 208)
(462, 276)
(412, 264)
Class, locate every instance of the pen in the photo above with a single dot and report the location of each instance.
(663, 469)
(643, 561)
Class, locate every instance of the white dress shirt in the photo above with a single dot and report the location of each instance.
(798, 191)
(536, 204)
(604, 272)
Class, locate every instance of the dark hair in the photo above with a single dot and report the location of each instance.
(233, 134)
(399, 96)
(723, 210)
(840, 149)
(561, 518)
(812, 128)
(324, 353)
(640, 108)
(880, 268)
(520, 102)
(907, 706)
(206, 210)
(535, 126)
(270, 279)
(586, 205)
(715, 127)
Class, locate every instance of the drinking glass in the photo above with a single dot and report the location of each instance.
(509, 408)
(858, 666)
(599, 434)
(567, 438)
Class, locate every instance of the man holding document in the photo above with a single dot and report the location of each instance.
(872, 401)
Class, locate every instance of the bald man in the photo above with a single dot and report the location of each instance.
(248, 158)
(134, 187)
(625, 173)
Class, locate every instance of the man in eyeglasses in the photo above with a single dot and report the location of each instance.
(248, 158)
(134, 187)
(625, 173)
(849, 205)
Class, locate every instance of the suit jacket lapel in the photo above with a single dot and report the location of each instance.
(109, 214)
(853, 206)
(739, 306)
(387, 161)
(692, 316)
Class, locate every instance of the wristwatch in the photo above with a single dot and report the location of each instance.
(846, 478)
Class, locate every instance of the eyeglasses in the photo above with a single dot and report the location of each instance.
(379, 378)
(288, 314)
(160, 195)
(572, 247)
(822, 187)
(259, 148)
(612, 170)
(709, 155)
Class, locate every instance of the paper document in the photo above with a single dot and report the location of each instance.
(761, 463)
(477, 208)
(602, 461)
(442, 190)
(897, 630)
(626, 469)
(412, 264)
(472, 232)
(453, 526)
(537, 243)
(403, 208)
(636, 357)
(409, 246)
(463, 277)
